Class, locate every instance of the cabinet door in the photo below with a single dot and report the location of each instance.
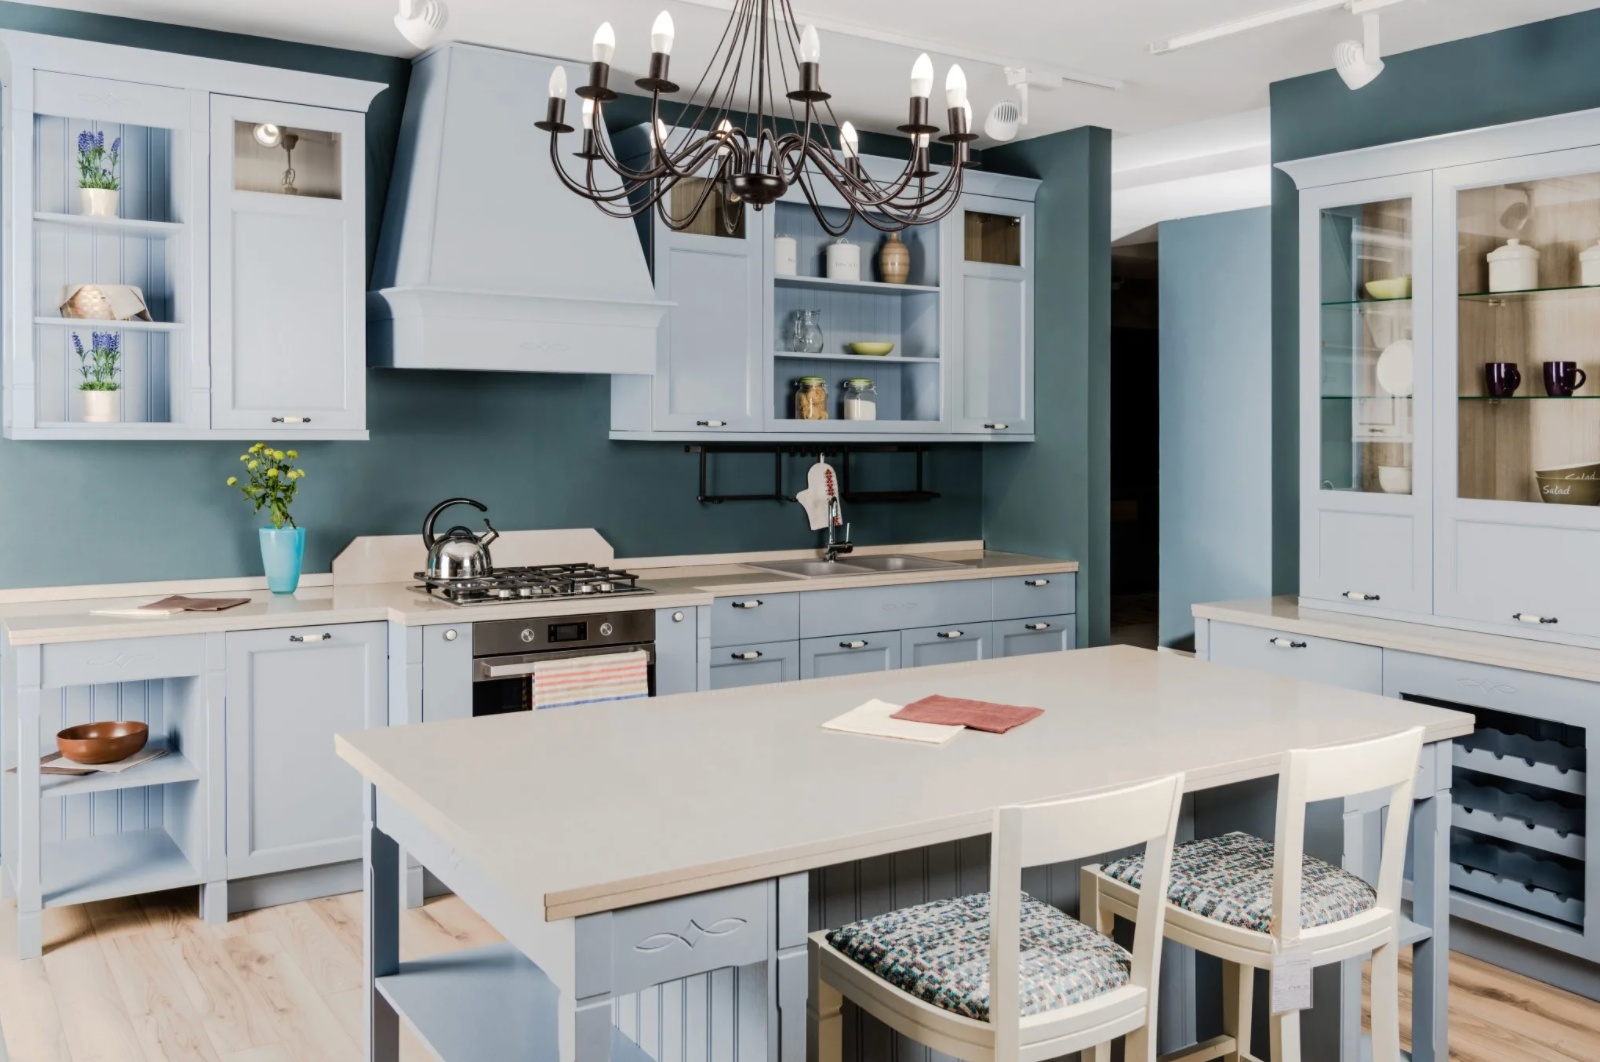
(849, 654)
(951, 644)
(1365, 386)
(675, 651)
(1043, 634)
(754, 665)
(993, 270)
(708, 361)
(292, 802)
(288, 268)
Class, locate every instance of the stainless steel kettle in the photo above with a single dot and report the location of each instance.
(458, 553)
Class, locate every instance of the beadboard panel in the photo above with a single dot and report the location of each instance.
(96, 814)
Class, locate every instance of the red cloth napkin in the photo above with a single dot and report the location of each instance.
(958, 711)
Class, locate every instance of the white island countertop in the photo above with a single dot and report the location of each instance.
(574, 811)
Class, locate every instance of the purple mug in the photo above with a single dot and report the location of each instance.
(1503, 377)
(1561, 378)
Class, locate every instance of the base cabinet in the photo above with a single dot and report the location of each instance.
(675, 651)
(849, 654)
(291, 802)
(754, 665)
(950, 644)
(1045, 634)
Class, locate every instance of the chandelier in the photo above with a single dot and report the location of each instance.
(764, 66)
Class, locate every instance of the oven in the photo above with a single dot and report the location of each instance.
(504, 652)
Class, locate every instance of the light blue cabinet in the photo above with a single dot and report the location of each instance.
(1046, 634)
(949, 644)
(675, 651)
(849, 654)
(754, 665)
(992, 267)
(755, 618)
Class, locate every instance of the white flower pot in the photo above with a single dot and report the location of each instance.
(98, 202)
(102, 407)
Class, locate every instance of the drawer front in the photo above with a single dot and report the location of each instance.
(1354, 667)
(122, 660)
(1493, 572)
(70, 95)
(755, 618)
(849, 654)
(659, 942)
(1021, 596)
(893, 608)
(754, 665)
(950, 644)
(1040, 634)
(1528, 693)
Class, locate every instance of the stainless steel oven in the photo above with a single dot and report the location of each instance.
(504, 652)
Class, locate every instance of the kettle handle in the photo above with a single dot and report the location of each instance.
(427, 524)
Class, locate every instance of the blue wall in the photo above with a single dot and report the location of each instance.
(1216, 414)
(532, 447)
(1532, 71)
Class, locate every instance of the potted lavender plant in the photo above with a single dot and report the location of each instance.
(98, 364)
(97, 174)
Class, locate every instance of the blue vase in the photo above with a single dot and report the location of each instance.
(282, 549)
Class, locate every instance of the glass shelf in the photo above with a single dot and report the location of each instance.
(1490, 296)
(1367, 398)
(1365, 302)
(1526, 398)
(865, 360)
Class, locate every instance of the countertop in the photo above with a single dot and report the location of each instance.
(680, 586)
(1524, 654)
(703, 790)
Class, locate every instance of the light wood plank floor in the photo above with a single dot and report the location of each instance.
(143, 980)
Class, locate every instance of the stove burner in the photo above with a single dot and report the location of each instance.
(544, 581)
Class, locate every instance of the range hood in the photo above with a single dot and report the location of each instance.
(486, 261)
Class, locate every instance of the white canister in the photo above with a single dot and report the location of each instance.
(97, 202)
(1590, 264)
(1514, 267)
(102, 407)
(785, 256)
(844, 260)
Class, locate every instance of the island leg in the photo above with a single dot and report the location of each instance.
(381, 859)
(30, 848)
(1430, 907)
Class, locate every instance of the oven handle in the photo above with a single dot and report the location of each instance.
(488, 669)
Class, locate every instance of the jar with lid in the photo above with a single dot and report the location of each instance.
(860, 399)
(811, 398)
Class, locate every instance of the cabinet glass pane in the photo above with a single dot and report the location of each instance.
(1528, 309)
(704, 203)
(286, 160)
(1367, 373)
(993, 238)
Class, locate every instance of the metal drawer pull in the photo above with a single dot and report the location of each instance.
(1285, 643)
(291, 420)
(1357, 595)
(712, 423)
(1528, 617)
(747, 604)
(1036, 582)
(323, 637)
(951, 634)
(754, 654)
(997, 427)
(852, 645)
(1037, 626)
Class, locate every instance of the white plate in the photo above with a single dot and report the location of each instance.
(1396, 370)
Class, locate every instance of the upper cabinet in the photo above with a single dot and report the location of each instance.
(992, 261)
(184, 246)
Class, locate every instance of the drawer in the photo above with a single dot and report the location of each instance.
(849, 654)
(893, 608)
(1334, 663)
(755, 618)
(66, 95)
(1021, 596)
(654, 943)
(1552, 698)
(1040, 634)
(123, 660)
(754, 665)
(953, 643)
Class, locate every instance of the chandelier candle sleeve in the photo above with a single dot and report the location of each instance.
(605, 46)
(661, 37)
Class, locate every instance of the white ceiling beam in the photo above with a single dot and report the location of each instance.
(1267, 18)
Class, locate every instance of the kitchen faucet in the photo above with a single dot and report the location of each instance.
(836, 546)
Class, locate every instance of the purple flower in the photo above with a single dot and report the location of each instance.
(99, 139)
(77, 344)
(116, 145)
(85, 141)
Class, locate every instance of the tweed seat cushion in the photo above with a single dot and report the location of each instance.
(1229, 879)
(939, 952)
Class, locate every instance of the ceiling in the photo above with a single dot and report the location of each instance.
(1108, 38)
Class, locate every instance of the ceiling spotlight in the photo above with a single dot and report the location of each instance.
(267, 135)
(1004, 118)
(1007, 116)
(420, 21)
(1357, 62)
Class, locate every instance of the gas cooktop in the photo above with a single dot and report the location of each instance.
(541, 583)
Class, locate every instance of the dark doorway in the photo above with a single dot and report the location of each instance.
(1135, 440)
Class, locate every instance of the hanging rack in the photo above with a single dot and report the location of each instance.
(842, 450)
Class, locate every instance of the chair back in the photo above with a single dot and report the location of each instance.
(1027, 835)
(1341, 771)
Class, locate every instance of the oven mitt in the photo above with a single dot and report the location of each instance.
(814, 499)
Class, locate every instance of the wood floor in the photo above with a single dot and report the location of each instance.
(143, 980)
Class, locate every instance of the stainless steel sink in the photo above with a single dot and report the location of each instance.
(811, 569)
(900, 562)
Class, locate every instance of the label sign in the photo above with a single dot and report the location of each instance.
(1291, 982)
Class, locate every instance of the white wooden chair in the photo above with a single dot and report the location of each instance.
(1105, 991)
(1345, 921)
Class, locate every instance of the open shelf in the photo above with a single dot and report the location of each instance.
(94, 324)
(863, 359)
(114, 864)
(1518, 831)
(1365, 302)
(88, 221)
(1517, 894)
(877, 287)
(489, 1003)
(172, 768)
(1522, 759)
(1525, 398)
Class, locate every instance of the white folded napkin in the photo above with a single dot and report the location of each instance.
(873, 719)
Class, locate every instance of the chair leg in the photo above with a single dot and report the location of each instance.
(1092, 913)
(1386, 1003)
(1286, 1037)
(1238, 1005)
(824, 1015)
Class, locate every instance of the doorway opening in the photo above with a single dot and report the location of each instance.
(1135, 440)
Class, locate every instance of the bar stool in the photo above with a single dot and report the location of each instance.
(1234, 897)
(999, 976)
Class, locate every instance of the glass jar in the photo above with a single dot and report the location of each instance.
(811, 398)
(860, 400)
(805, 332)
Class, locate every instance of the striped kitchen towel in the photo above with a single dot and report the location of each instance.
(589, 679)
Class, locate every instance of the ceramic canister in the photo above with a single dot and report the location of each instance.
(1590, 262)
(844, 260)
(1514, 267)
(785, 252)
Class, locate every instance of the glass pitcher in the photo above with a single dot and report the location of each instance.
(805, 332)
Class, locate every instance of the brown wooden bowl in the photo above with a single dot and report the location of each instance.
(102, 742)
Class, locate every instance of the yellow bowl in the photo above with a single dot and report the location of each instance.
(1390, 288)
(871, 350)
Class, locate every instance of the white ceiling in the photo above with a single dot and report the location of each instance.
(868, 78)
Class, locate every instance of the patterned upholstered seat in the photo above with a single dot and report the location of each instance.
(1229, 879)
(939, 952)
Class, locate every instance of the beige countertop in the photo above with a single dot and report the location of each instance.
(64, 616)
(704, 790)
(1524, 654)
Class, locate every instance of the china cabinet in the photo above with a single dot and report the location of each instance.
(238, 218)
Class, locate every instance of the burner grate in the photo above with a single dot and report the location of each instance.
(533, 583)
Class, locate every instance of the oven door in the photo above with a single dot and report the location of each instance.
(503, 684)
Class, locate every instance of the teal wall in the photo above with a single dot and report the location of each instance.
(532, 447)
(1054, 498)
(1216, 414)
(1532, 71)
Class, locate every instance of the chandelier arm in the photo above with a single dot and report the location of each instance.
(587, 189)
(695, 93)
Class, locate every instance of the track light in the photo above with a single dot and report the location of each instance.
(267, 135)
(1357, 62)
(420, 21)
(1008, 116)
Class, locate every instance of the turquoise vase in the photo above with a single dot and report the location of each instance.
(282, 549)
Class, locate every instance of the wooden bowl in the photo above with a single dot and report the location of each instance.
(102, 742)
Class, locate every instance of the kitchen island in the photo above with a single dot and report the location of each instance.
(676, 841)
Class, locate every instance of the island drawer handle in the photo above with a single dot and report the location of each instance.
(852, 645)
(1528, 617)
(291, 420)
(951, 634)
(1285, 643)
(754, 654)
(323, 637)
(1357, 595)
(747, 604)
(1037, 626)
(711, 423)
(997, 427)
(1036, 582)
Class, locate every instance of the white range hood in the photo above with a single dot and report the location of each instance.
(486, 261)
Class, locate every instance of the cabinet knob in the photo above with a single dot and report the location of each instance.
(1037, 626)
(1036, 582)
(997, 427)
(450, 635)
(754, 654)
(747, 604)
(1528, 617)
(1357, 595)
(712, 423)
(951, 634)
(323, 637)
(291, 420)
(677, 617)
(1285, 643)
(853, 645)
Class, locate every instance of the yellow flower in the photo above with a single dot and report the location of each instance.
(244, 457)
(258, 447)
(302, 472)
(271, 473)
(278, 454)
(233, 480)
(294, 453)
(251, 466)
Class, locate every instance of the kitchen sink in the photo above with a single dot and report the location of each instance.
(899, 562)
(811, 569)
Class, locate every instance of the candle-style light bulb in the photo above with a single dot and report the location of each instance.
(849, 141)
(558, 83)
(725, 133)
(588, 114)
(605, 43)
(810, 46)
(922, 76)
(955, 86)
(922, 140)
(661, 34)
(661, 133)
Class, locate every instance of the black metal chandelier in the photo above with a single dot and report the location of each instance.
(752, 160)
